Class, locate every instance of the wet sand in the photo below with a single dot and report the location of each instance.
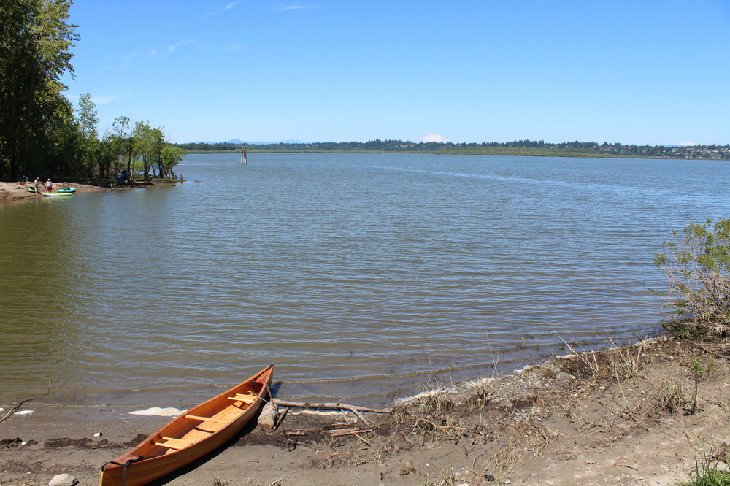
(619, 417)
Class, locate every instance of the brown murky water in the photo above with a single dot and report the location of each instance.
(362, 277)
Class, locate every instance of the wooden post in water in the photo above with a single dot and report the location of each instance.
(244, 158)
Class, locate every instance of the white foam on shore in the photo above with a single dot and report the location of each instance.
(158, 411)
(23, 412)
(452, 390)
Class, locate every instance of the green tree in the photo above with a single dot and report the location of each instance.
(148, 143)
(87, 121)
(106, 155)
(169, 158)
(122, 143)
(35, 42)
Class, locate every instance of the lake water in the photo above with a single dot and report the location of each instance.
(362, 277)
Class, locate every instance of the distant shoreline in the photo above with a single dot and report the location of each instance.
(567, 154)
(524, 148)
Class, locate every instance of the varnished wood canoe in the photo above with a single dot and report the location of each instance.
(191, 435)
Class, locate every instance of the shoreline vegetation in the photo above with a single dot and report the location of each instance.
(517, 148)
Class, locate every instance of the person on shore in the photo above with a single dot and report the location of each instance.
(49, 185)
(37, 185)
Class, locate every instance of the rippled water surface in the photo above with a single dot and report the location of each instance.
(360, 276)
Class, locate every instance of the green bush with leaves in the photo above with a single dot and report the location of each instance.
(697, 265)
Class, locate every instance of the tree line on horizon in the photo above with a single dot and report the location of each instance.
(518, 147)
(41, 133)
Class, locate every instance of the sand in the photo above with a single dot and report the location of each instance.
(12, 192)
(616, 417)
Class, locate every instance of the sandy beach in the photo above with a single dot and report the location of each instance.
(12, 192)
(625, 416)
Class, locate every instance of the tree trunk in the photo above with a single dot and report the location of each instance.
(129, 162)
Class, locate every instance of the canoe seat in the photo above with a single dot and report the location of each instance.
(172, 443)
(208, 427)
(204, 419)
(207, 424)
(247, 398)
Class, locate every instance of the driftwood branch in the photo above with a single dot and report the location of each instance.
(363, 441)
(14, 409)
(336, 406)
(281, 417)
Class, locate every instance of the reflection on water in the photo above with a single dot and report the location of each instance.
(357, 275)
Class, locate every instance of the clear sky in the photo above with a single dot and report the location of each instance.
(636, 72)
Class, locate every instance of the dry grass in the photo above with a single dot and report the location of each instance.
(506, 420)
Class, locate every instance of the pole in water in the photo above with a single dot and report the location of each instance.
(244, 159)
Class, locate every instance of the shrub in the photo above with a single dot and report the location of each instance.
(697, 266)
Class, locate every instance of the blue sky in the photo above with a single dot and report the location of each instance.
(638, 72)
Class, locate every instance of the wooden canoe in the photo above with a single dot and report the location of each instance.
(191, 435)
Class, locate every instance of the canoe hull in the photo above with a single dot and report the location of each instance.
(142, 471)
